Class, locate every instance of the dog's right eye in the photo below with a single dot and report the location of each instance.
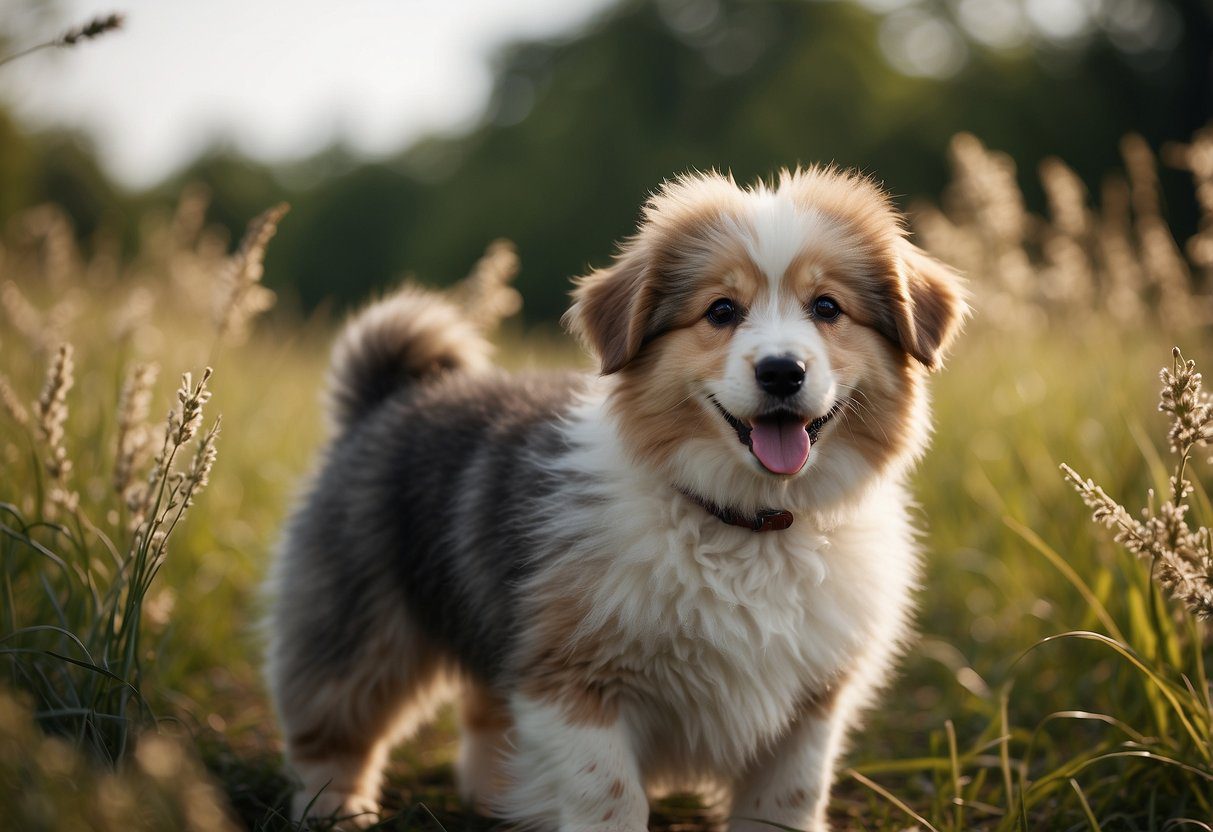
(722, 312)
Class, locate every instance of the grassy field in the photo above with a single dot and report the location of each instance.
(997, 721)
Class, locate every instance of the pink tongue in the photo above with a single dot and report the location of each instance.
(781, 444)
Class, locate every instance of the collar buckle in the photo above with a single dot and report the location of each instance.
(772, 520)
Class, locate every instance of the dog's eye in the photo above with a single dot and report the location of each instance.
(825, 308)
(722, 312)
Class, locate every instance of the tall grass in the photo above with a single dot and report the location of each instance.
(1080, 698)
(83, 539)
(1062, 681)
(74, 593)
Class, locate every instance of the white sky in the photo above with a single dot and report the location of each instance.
(281, 78)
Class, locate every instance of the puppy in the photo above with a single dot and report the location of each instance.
(690, 571)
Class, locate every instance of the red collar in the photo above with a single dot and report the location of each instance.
(765, 520)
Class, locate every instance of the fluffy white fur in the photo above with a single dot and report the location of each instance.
(727, 628)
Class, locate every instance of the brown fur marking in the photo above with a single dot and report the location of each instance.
(483, 710)
(565, 666)
(796, 799)
(936, 305)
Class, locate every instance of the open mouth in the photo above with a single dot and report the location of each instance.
(780, 440)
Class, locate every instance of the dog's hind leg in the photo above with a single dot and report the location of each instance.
(341, 716)
(484, 745)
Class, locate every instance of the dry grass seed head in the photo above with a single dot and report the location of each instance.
(10, 402)
(1189, 406)
(48, 229)
(199, 473)
(240, 297)
(1160, 256)
(51, 412)
(1121, 273)
(1197, 158)
(185, 420)
(485, 294)
(134, 433)
(190, 217)
(1182, 557)
(95, 28)
(23, 315)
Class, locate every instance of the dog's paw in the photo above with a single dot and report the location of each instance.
(756, 825)
(333, 810)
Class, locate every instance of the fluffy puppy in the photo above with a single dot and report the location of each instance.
(689, 571)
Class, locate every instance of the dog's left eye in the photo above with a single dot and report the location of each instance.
(825, 308)
(722, 312)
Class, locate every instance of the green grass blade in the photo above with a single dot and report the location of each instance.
(1086, 806)
(891, 798)
(1036, 542)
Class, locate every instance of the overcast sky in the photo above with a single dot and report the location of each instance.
(280, 77)
(283, 78)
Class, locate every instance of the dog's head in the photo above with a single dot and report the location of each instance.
(770, 342)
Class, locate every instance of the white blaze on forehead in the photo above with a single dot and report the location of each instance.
(776, 231)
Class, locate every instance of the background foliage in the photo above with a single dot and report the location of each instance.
(580, 130)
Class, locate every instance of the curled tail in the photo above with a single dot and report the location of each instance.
(414, 334)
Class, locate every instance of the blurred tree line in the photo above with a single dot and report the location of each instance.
(578, 131)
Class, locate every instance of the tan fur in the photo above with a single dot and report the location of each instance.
(655, 415)
(616, 309)
(338, 734)
(936, 305)
(484, 746)
(563, 664)
(876, 417)
(893, 296)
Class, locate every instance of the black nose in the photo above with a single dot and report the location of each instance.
(780, 375)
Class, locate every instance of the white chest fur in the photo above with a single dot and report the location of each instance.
(720, 634)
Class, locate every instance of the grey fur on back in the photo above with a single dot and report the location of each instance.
(421, 508)
(426, 501)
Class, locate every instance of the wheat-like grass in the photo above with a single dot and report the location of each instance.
(49, 231)
(11, 404)
(1197, 157)
(1182, 557)
(1161, 259)
(23, 315)
(240, 297)
(485, 294)
(1067, 274)
(94, 28)
(1122, 257)
(134, 433)
(50, 417)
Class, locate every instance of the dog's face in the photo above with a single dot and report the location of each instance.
(770, 342)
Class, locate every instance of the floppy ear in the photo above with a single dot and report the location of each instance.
(933, 307)
(610, 309)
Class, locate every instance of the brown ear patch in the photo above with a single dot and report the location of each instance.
(934, 307)
(608, 311)
(618, 309)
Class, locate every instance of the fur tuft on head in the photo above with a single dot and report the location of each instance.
(617, 309)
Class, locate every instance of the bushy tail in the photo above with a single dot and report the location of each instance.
(414, 334)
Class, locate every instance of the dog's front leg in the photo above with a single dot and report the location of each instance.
(573, 768)
(789, 783)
